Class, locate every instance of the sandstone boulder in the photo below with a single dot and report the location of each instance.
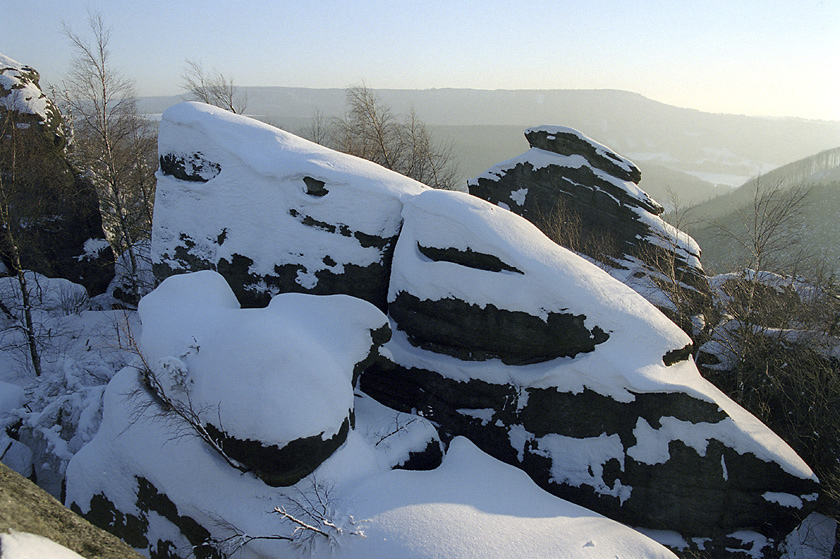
(271, 212)
(586, 197)
(273, 387)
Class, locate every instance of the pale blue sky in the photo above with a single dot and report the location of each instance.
(752, 57)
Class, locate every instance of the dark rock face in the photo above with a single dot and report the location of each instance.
(585, 197)
(566, 142)
(55, 212)
(280, 466)
(133, 528)
(314, 187)
(475, 333)
(427, 459)
(585, 448)
(191, 168)
(468, 258)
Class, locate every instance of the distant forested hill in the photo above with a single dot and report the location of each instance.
(814, 233)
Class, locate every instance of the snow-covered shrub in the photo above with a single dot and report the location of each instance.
(58, 412)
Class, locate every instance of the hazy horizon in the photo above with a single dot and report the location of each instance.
(180, 93)
(752, 58)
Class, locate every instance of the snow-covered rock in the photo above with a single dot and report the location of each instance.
(20, 93)
(588, 196)
(271, 212)
(273, 387)
(60, 228)
(626, 426)
(449, 271)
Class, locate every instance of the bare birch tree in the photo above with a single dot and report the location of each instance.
(113, 144)
(763, 234)
(16, 160)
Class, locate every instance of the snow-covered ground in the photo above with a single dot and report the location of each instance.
(23, 545)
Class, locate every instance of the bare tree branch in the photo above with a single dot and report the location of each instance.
(214, 89)
(371, 130)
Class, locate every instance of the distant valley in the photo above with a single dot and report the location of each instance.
(813, 236)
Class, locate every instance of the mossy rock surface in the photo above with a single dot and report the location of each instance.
(24, 507)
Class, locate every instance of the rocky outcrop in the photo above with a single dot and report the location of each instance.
(467, 321)
(23, 100)
(586, 198)
(625, 426)
(60, 232)
(538, 356)
(275, 214)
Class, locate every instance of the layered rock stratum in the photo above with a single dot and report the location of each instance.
(587, 198)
